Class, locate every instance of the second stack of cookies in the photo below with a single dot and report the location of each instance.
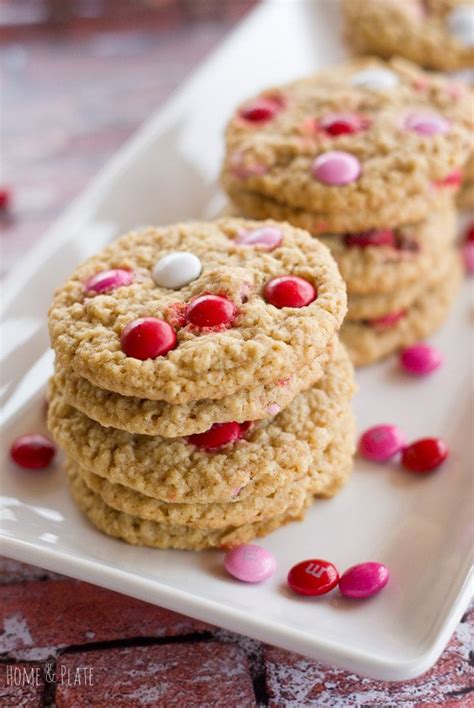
(239, 420)
(367, 157)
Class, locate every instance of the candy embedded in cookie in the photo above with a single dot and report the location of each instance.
(108, 280)
(289, 291)
(375, 79)
(147, 338)
(210, 311)
(336, 168)
(261, 109)
(219, 435)
(176, 270)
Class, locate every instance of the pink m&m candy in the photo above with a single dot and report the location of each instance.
(33, 452)
(267, 237)
(421, 359)
(336, 168)
(210, 311)
(313, 577)
(250, 563)
(467, 250)
(109, 280)
(381, 442)
(363, 580)
(289, 291)
(147, 338)
(218, 435)
(426, 123)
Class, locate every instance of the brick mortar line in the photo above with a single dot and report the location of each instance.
(258, 675)
(126, 642)
(49, 693)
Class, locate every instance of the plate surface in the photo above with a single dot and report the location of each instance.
(422, 528)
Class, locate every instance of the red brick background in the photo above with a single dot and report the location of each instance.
(97, 648)
(78, 77)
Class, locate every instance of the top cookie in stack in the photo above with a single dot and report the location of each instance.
(368, 156)
(200, 391)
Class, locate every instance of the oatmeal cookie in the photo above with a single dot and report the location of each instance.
(198, 310)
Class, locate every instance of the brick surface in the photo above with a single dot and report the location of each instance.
(199, 675)
(21, 685)
(292, 680)
(61, 613)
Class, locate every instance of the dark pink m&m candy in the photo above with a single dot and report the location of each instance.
(313, 577)
(210, 311)
(109, 280)
(381, 442)
(33, 452)
(289, 291)
(147, 338)
(424, 455)
(421, 359)
(363, 580)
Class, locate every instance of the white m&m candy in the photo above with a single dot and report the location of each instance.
(176, 270)
(460, 24)
(376, 79)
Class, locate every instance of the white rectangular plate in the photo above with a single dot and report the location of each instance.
(420, 527)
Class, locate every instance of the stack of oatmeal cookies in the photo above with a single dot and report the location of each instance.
(367, 157)
(201, 394)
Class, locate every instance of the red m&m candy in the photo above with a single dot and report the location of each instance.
(313, 577)
(218, 435)
(261, 109)
(210, 311)
(424, 455)
(470, 232)
(147, 338)
(342, 123)
(33, 452)
(387, 321)
(289, 291)
(374, 237)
